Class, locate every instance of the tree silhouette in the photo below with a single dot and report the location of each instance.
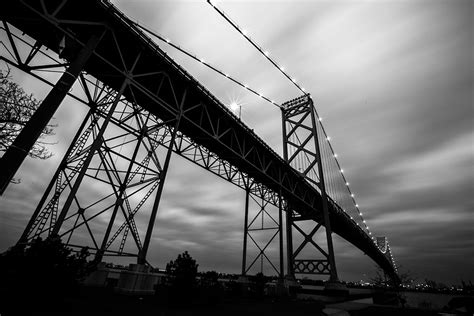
(182, 274)
(16, 108)
(45, 271)
(183, 270)
(260, 281)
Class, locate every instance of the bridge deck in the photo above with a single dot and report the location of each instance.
(162, 87)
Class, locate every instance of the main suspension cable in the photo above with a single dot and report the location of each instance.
(202, 61)
(265, 53)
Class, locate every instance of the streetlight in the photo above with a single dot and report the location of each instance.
(234, 106)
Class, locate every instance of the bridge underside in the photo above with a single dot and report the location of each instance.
(159, 85)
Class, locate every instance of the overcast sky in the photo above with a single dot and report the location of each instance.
(393, 81)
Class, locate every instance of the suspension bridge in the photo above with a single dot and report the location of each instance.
(143, 108)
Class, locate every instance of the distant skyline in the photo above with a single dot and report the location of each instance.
(394, 83)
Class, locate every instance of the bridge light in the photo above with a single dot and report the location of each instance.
(282, 68)
(293, 79)
(167, 40)
(335, 155)
(244, 32)
(226, 75)
(328, 138)
(266, 53)
(360, 213)
(320, 119)
(202, 61)
(352, 194)
(342, 170)
(357, 205)
(234, 106)
(303, 89)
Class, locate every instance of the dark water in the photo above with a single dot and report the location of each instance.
(414, 299)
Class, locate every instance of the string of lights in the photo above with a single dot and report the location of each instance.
(203, 62)
(264, 52)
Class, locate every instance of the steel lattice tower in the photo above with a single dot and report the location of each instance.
(301, 151)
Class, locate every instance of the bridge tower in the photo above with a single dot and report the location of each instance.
(384, 246)
(301, 149)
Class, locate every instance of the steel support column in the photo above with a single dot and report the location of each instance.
(280, 233)
(327, 222)
(95, 146)
(39, 207)
(263, 228)
(119, 201)
(164, 171)
(17, 152)
(246, 219)
(289, 217)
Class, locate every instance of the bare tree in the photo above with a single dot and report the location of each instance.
(16, 108)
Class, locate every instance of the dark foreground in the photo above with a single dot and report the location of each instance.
(94, 301)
